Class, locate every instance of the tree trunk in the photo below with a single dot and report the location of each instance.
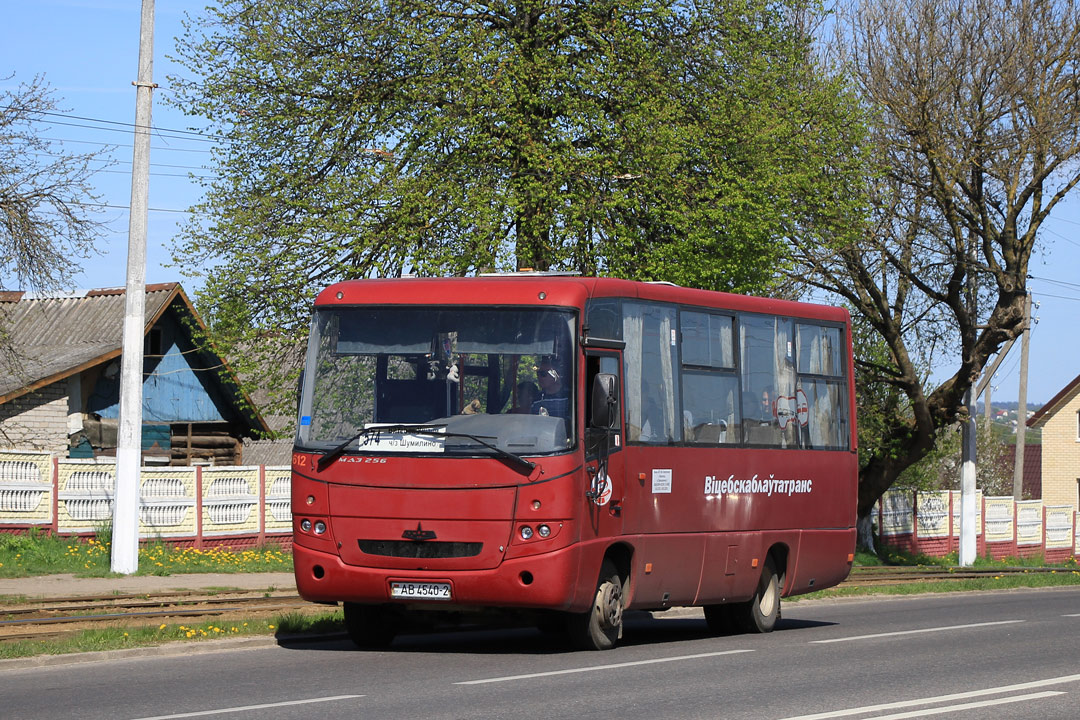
(865, 533)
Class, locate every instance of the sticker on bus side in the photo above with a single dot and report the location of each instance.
(661, 480)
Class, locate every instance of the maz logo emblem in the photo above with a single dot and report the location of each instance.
(419, 534)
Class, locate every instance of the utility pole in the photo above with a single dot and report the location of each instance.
(125, 534)
(967, 549)
(1021, 413)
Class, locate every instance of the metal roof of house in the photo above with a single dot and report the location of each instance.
(52, 337)
(1043, 414)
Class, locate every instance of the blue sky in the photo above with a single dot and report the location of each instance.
(87, 50)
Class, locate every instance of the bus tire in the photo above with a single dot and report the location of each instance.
(761, 613)
(369, 626)
(601, 627)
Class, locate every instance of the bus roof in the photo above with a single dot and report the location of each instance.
(554, 290)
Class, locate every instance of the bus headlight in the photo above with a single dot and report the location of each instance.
(543, 531)
(320, 527)
(526, 532)
(305, 525)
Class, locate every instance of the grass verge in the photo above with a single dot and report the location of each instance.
(1054, 578)
(43, 554)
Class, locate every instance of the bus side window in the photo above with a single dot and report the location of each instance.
(767, 371)
(651, 354)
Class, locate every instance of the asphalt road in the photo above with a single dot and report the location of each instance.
(1010, 654)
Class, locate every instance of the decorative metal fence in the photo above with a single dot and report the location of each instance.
(929, 523)
(238, 506)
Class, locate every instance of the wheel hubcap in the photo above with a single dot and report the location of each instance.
(611, 605)
(768, 600)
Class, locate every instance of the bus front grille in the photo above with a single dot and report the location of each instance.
(423, 550)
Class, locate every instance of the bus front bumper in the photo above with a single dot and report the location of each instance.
(552, 581)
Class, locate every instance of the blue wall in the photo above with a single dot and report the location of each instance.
(179, 387)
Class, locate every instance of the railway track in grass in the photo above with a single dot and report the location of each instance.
(57, 616)
(882, 576)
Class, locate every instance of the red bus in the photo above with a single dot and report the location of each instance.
(570, 448)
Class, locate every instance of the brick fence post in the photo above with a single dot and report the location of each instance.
(262, 504)
(198, 507)
(54, 524)
(915, 522)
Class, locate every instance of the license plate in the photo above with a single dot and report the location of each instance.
(420, 590)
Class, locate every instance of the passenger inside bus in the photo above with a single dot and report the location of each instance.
(550, 380)
(527, 394)
(553, 400)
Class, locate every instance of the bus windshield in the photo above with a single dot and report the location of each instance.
(502, 376)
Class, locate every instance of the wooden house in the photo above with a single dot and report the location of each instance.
(60, 379)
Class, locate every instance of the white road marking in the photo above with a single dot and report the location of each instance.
(939, 699)
(1073, 615)
(916, 632)
(969, 706)
(245, 708)
(594, 668)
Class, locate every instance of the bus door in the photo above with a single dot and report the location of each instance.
(605, 490)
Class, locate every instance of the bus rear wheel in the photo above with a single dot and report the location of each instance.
(601, 627)
(370, 626)
(763, 610)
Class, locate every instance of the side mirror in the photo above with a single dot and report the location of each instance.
(605, 401)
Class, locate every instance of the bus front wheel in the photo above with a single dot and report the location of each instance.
(369, 626)
(601, 627)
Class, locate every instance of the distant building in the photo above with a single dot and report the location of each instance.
(1032, 480)
(1059, 421)
(60, 380)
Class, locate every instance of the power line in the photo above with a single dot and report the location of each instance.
(157, 174)
(159, 148)
(109, 206)
(1059, 297)
(1062, 283)
(153, 130)
(105, 169)
(204, 137)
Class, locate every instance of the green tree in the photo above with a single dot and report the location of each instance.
(648, 139)
(974, 116)
(940, 468)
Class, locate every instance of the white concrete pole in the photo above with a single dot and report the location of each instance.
(125, 534)
(967, 486)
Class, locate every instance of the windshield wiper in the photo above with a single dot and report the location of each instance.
(518, 464)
